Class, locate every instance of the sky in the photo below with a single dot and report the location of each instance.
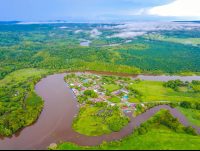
(99, 10)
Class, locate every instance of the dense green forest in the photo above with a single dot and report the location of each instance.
(52, 47)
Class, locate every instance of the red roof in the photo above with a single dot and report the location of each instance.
(100, 100)
(108, 97)
(118, 92)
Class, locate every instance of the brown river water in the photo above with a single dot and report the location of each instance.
(59, 110)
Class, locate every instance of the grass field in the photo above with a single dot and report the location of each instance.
(183, 89)
(111, 87)
(155, 91)
(191, 115)
(22, 75)
(84, 124)
(114, 99)
(158, 137)
(133, 100)
(186, 41)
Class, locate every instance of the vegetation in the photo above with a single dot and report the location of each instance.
(146, 91)
(114, 99)
(51, 47)
(91, 93)
(99, 120)
(193, 115)
(111, 87)
(185, 41)
(155, 134)
(19, 104)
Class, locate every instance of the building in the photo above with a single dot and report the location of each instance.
(112, 104)
(117, 92)
(100, 100)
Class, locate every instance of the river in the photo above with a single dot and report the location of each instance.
(57, 115)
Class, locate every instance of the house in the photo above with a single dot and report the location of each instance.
(134, 105)
(126, 91)
(117, 81)
(112, 104)
(142, 104)
(108, 97)
(100, 100)
(117, 92)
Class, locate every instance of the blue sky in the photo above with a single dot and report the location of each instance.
(99, 10)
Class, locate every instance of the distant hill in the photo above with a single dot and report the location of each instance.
(188, 21)
(8, 22)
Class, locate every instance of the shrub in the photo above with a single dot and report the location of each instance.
(185, 104)
(190, 130)
(142, 130)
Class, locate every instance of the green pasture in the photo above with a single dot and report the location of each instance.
(111, 87)
(192, 115)
(90, 110)
(114, 99)
(22, 75)
(84, 126)
(133, 100)
(184, 89)
(155, 91)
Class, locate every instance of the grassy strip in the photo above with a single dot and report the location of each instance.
(111, 87)
(192, 115)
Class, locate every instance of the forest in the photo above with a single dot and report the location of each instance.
(52, 47)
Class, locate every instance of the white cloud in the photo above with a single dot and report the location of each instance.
(78, 31)
(127, 34)
(178, 8)
(63, 27)
(95, 33)
(155, 26)
(134, 29)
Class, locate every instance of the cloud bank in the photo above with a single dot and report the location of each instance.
(127, 34)
(78, 31)
(134, 29)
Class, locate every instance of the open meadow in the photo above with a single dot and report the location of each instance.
(155, 91)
